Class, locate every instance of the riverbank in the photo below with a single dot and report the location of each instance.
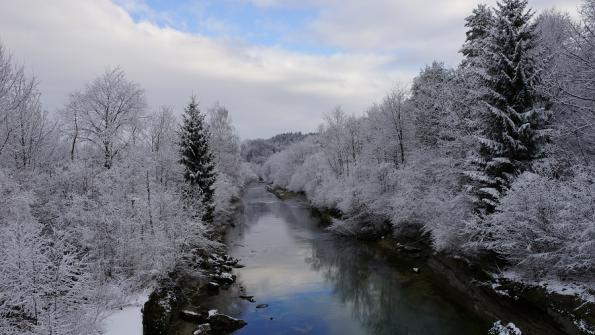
(304, 278)
(180, 302)
(550, 308)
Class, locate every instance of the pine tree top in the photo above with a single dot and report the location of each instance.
(514, 12)
(479, 22)
(479, 25)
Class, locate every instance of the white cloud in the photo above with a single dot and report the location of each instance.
(419, 31)
(68, 42)
(426, 30)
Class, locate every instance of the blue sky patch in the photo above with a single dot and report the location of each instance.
(271, 26)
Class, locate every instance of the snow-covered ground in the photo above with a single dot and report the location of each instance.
(128, 320)
(553, 285)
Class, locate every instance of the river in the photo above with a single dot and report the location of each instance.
(316, 283)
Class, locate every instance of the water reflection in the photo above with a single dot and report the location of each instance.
(315, 283)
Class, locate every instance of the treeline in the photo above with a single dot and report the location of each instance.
(257, 151)
(102, 198)
(495, 155)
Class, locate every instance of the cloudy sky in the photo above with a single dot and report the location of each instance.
(277, 65)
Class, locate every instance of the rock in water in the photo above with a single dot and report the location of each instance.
(203, 329)
(224, 323)
(262, 306)
(192, 316)
(248, 297)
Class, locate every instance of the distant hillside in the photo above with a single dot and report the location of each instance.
(259, 150)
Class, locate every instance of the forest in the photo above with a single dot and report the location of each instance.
(95, 201)
(492, 158)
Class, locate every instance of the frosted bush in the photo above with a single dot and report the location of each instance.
(545, 226)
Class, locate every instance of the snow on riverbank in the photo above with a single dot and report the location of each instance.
(128, 320)
(553, 285)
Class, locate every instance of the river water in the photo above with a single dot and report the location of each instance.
(312, 282)
(316, 283)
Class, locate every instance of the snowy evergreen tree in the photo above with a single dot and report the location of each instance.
(197, 158)
(479, 25)
(511, 117)
(468, 84)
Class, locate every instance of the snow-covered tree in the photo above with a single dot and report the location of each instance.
(544, 227)
(468, 82)
(43, 283)
(342, 140)
(479, 25)
(163, 143)
(25, 130)
(106, 114)
(232, 173)
(224, 141)
(197, 158)
(22, 259)
(431, 102)
(512, 117)
(567, 48)
(386, 123)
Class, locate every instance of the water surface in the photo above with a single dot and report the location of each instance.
(317, 283)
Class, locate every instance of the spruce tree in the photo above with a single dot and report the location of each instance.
(510, 114)
(197, 159)
(469, 77)
(479, 25)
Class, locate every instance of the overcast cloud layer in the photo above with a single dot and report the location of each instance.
(269, 87)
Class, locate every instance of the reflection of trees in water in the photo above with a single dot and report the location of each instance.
(295, 214)
(373, 293)
(255, 204)
(384, 299)
(373, 300)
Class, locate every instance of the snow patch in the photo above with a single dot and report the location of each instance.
(553, 285)
(509, 329)
(129, 319)
(584, 327)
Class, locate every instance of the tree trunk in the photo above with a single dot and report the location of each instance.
(149, 205)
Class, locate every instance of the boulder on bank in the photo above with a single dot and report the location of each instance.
(225, 278)
(222, 323)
